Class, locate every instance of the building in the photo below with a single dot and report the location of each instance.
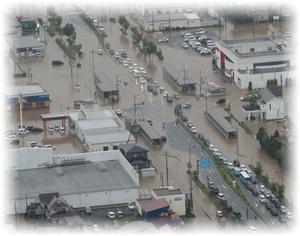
(175, 198)
(136, 154)
(259, 15)
(33, 96)
(152, 208)
(179, 79)
(220, 119)
(82, 179)
(98, 128)
(252, 62)
(27, 46)
(105, 87)
(269, 106)
(29, 25)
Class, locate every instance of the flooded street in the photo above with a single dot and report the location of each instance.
(60, 83)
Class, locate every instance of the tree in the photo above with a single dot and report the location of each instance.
(280, 192)
(69, 31)
(260, 133)
(268, 83)
(275, 82)
(273, 187)
(258, 169)
(276, 134)
(250, 85)
(124, 23)
(126, 26)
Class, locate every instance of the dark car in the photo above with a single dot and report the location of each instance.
(169, 99)
(283, 218)
(154, 91)
(268, 205)
(184, 118)
(36, 130)
(29, 128)
(274, 211)
(236, 163)
(57, 63)
(164, 139)
(221, 101)
(149, 87)
(187, 105)
(236, 214)
(255, 192)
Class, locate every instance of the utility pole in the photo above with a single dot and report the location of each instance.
(206, 97)
(152, 22)
(190, 173)
(169, 25)
(253, 27)
(237, 143)
(200, 84)
(167, 169)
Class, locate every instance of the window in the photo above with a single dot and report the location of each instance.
(115, 147)
(105, 148)
(270, 107)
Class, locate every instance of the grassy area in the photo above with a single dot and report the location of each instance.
(245, 127)
(66, 48)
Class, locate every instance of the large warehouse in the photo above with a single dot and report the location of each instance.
(33, 96)
(98, 128)
(252, 62)
(83, 179)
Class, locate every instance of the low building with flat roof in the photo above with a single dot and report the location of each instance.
(220, 119)
(179, 79)
(82, 179)
(252, 62)
(98, 128)
(33, 96)
(105, 86)
(27, 46)
(175, 198)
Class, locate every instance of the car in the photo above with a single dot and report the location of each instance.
(186, 105)
(99, 52)
(111, 215)
(49, 146)
(219, 214)
(282, 209)
(154, 91)
(165, 94)
(289, 215)
(169, 99)
(210, 183)
(161, 89)
(221, 101)
(274, 211)
(236, 214)
(156, 84)
(262, 188)
(283, 218)
(229, 165)
(205, 51)
(194, 130)
(262, 198)
(267, 194)
(211, 147)
(57, 63)
(268, 205)
(221, 196)
(131, 206)
(189, 124)
(62, 129)
(255, 192)
(163, 39)
(32, 144)
(185, 45)
(56, 128)
(22, 131)
(118, 112)
(236, 163)
(88, 210)
(142, 80)
(119, 213)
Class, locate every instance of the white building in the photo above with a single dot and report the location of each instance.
(98, 128)
(83, 179)
(269, 107)
(175, 198)
(257, 61)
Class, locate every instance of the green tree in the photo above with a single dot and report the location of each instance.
(260, 133)
(273, 187)
(69, 31)
(280, 192)
(126, 26)
(258, 170)
(275, 82)
(250, 86)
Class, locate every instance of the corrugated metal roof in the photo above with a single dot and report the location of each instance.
(151, 205)
(96, 124)
(116, 137)
(166, 191)
(218, 114)
(25, 90)
(26, 42)
(266, 95)
(133, 147)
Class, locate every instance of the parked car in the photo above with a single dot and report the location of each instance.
(262, 198)
(131, 206)
(99, 52)
(119, 112)
(163, 39)
(185, 45)
(221, 196)
(187, 105)
(119, 213)
(111, 215)
(169, 99)
(194, 130)
(221, 101)
(283, 218)
(57, 63)
(219, 214)
(274, 211)
(289, 215)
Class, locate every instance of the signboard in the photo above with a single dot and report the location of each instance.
(204, 162)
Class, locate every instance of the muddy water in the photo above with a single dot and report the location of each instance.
(60, 84)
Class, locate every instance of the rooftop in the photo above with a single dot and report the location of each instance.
(28, 41)
(24, 90)
(96, 124)
(133, 147)
(179, 76)
(69, 179)
(116, 137)
(164, 17)
(151, 205)
(268, 94)
(104, 83)
(219, 115)
(166, 191)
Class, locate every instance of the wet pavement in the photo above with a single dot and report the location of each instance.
(61, 86)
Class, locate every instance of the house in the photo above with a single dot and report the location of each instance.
(175, 198)
(136, 154)
(270, 106)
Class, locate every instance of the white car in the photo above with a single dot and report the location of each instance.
(49, 146)
(142, 80)
(131, 206)
(130, 68)
(23, 131)
(99, 52)
(111, 215)
(119, 112)
(205, 51)
(262, 198)
(163, 39)
(289, 215)
(165, 94)
(194, 130)
(62, 129)
(221, 196)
